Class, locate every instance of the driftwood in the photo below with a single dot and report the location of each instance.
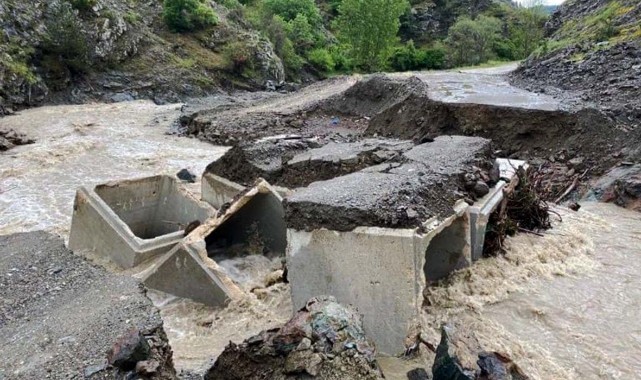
(522, 210)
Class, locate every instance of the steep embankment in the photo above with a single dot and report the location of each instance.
(594, 52)
(72, 51)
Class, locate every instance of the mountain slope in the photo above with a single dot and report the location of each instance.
(594, 52)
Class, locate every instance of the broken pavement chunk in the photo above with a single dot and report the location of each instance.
(402, 195)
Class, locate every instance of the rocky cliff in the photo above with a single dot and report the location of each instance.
(71, 51)
(593, 53)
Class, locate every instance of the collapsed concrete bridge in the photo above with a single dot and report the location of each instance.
(375, 223)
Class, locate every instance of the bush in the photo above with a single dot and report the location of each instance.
(65, 40)
(322, 60)
(239, 57)
(188, 15)
(290, 9)
(342, 63)
(408, 57)
(82, 5)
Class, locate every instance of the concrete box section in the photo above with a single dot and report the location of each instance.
(381, 271)
(481, 210)
(217, 190)
(199, 267)
(131, 221)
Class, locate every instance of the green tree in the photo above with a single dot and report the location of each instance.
(369, 29)
(188, 15)
(471, 42)
(526, 30)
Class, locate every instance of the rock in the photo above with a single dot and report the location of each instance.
(446, 364)
(491, 365)
(418, 374)
(186, 175)
(129, 350)
(122, 97)
(323, 339)
(147, 367)
(495, 366)
(620, 185)
(9, 138)
(481, 188)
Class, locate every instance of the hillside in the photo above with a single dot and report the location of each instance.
(593, 53)
(79, 51)
(111, 50)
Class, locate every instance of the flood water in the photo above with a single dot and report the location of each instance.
(83, 146)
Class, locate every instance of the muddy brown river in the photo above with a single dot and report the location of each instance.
(565, 306)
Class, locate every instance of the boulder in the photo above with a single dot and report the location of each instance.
(323, 340)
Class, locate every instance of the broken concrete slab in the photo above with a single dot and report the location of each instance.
(131, 221)
(217, 191)
(264, 158)
(381, 271)
(292, 161)
(340, 158)
(182, 272)
(396, 195)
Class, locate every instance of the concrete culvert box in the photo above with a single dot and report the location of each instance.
(131, 221)
(151, 207)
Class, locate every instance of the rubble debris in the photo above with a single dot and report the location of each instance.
(60, 315)
(522, 209)
(186, 175)
(489, 366)
(323, 340)
(9, 138)
(397, 195)
(128, 350)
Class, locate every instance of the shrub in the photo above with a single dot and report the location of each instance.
(82, 5)
(290, 9)
(322, 60)
(188, 15)
(65, 40)
(408, 57)
(470, 41)
(239, 57)
(301, 33)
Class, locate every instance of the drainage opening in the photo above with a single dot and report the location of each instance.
(447, 251)
(251, 243)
